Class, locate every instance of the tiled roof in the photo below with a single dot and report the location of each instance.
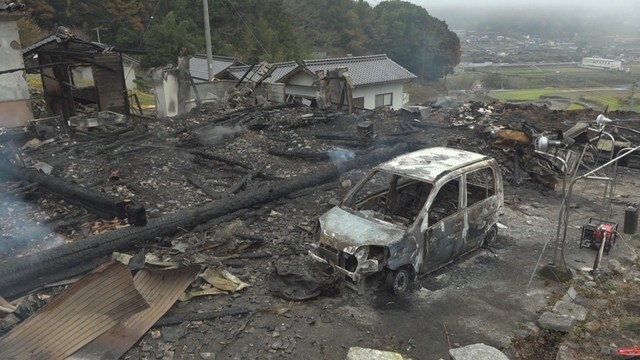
(281, 70)
(364, 70)
(198, 65)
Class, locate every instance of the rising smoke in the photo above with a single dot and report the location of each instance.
(219, 134)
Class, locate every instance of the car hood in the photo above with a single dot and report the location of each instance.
(346, 231)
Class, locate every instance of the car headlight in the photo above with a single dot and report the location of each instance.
(362, 253)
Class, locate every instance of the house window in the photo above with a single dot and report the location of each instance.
(384, 99)
(358, 102)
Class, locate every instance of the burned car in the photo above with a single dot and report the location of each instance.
(411, 216)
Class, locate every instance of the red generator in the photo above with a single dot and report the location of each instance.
(596, 231)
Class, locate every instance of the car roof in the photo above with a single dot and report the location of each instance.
(429, 164)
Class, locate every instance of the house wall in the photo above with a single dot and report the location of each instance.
(369, 93)
(166, 86)
(129, 75)
(302, 85)
(109, 83)
(15, 109)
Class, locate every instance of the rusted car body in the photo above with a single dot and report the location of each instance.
(412, 215)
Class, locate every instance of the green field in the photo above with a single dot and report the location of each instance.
(566, 87)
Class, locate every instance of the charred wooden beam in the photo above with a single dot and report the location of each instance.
(19, 275)
(224, 159)
(103, 205)
(200, 185)
(243, 181)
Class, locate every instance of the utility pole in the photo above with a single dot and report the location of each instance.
(207, 38)
(634, 83)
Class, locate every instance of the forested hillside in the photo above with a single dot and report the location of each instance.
(271, 30)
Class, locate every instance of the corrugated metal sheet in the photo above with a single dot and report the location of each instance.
(87, 309)
(161, 289)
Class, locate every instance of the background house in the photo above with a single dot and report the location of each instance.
(15, 109)
(198, 66)
(376, 80)
(263, 77)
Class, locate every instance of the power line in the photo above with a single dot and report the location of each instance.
(153, 15)
(250, 31)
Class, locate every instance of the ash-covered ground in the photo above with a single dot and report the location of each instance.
(172, 165)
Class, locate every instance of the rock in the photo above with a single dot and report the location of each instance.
(477, 352)
(173, 333)
(346, 184)
(358, 353)
(606, 350)
(571, 310)
(553, 321)
(616, 267)
(570, 295)
(564, 353)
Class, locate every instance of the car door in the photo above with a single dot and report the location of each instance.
(445, 232)
(482, 203)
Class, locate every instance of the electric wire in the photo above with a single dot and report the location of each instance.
(251, 31)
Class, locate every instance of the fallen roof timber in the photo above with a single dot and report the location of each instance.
(103, 205)
(19, 275)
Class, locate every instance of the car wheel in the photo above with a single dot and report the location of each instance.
(398, 280)
(490, 237)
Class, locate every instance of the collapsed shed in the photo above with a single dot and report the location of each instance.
(74, 70)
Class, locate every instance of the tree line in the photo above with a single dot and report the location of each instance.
(255, 30)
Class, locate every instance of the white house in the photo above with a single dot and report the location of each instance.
(376, 80)
(600, 63)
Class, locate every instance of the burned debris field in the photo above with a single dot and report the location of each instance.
(234, 196)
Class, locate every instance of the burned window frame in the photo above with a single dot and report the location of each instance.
(486, 190)
(404, 198)
(431, 220)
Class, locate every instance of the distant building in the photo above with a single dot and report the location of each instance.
(600, 63)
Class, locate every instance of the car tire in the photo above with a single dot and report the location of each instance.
(490, 237)
(398, 280)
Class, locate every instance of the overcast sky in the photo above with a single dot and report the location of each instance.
(452, 11)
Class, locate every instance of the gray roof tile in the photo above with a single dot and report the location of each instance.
(198, 65)
(364, 70)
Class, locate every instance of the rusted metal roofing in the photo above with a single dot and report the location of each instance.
(87, 309)
(428, 164)
(161, 289)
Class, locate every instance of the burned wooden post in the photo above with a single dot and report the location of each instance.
(103, 205)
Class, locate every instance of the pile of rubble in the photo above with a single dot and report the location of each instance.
(203, 194)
